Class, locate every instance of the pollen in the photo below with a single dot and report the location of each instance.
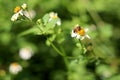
(17, 9)
(55, 16)
(81, 32)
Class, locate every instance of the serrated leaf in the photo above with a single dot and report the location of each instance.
(45, 19)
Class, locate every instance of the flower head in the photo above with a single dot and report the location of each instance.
(53, 15)
(26, 53)
(19, 11)
(79, 33)
(14, 68)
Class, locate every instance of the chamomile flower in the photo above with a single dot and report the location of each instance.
(53, 15)
(80, 33)
(26, 53)
(17, 12)
(21, 11)
(15, 68)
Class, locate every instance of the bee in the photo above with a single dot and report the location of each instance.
(79, 30)
(76, 29)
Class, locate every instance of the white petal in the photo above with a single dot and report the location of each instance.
(49, 19)
(15, 17)
(25, 53)
(73, 34)
(78, 36)
(87, 36)
(58, 23)
(14, 68)
(82, 38)
(51, 14)
(30, 14)
(86, 30)
(55, 14)
(21, 12)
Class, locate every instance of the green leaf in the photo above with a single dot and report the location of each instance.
(45, 19)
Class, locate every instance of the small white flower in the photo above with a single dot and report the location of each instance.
(24, 6)
(15, 68)
(54, 16)
(79, 33)
(18, 11)
(26, 53)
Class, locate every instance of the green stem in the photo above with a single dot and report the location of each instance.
(82, 46)
(62, 53)
(56, 49)
(65, 59)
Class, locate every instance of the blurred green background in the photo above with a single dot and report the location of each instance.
(102, 17)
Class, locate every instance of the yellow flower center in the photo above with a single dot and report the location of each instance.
(81, 32)
(17, 9)
(54, 17)
(15, 64)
